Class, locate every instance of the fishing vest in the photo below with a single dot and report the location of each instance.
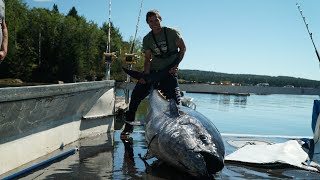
(163, 47)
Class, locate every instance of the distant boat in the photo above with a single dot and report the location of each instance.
(288, 86)
(263, 84)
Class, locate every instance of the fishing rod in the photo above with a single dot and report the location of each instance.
(109, 29)
(131, 58)
(310, 34)
(137, 26)
(312, 141)
(109, 57)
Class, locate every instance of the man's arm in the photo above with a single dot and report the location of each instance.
(147, 60)
(4, 45)
(182, 50)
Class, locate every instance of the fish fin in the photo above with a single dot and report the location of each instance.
(148, 155)
(152, 77)
(135, 74)
(174, 109)
(144, 160)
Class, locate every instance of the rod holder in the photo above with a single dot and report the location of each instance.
(110, 57)
(131, 58)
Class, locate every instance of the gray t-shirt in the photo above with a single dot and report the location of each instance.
(2, 15)
(149, 44)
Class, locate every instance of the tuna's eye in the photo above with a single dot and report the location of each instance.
(204, 139)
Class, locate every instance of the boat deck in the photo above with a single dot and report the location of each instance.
(107, 157)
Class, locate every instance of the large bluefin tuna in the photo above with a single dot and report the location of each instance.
(183, 138)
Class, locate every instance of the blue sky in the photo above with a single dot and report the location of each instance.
(265, 37)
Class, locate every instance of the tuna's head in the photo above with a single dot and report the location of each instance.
(193, 144)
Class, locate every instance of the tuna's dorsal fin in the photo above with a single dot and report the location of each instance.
(174, 110)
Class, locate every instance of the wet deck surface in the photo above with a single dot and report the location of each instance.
(107, 157)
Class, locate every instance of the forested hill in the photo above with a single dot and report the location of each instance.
(245, 79)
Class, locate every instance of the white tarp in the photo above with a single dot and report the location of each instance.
(289, 152)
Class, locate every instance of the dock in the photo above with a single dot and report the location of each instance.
(235, 90)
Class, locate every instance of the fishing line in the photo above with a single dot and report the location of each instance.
(137, 26)
(310, 34)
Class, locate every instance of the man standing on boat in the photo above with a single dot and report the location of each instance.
(164, 49)
(3, 33)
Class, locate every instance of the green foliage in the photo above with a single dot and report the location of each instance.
(16, 20)
(55, 8)
(73, 12)
(46, 46)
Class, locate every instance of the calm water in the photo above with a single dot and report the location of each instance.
(107, 157)
(288, 115)
(258, 114)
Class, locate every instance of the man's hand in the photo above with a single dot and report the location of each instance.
(2, 55)
(142, 81)
(174, 69)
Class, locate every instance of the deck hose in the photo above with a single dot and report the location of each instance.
(67, 153)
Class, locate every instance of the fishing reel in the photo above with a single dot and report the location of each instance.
(110, 57)
(131, 58)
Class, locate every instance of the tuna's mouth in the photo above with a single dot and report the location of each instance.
(213, 163)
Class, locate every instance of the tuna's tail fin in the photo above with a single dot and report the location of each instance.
(135, 74)
(152, 77)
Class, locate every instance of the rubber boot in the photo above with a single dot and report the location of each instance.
(177, 95)
(128, 128)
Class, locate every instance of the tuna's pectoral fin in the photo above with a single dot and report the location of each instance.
(144, 160)
(148, 155)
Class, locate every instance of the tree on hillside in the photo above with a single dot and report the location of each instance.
(73, 12)
(55, 8)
